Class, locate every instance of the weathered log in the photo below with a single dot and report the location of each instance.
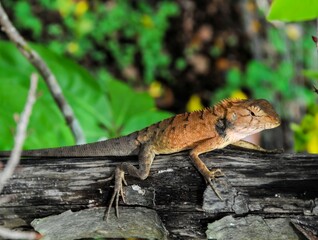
(268, 185)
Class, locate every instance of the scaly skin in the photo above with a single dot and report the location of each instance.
(202, 131)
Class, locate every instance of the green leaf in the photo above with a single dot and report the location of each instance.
(234, 78)
(293, 10)
(275, 37)
(29, 21)
(55, 29)
(181, 64)
(47, 126)
(101, 115)
(144, 119)
(130, 110)
(310, 73)
(125, 104)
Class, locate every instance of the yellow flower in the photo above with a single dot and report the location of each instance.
(155, 89)
(72, 47)
(84, 26)
(81, 8)
(146, 21)
(65, 7)
(238, 94)
(312, 145)
(316, 122)
(293, 32)
(194, 103)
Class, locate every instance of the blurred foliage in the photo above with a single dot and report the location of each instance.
(105, 108)
(264, 81)
(184, 60)
(293, 10)
(101, 30)
(280, 77)
(95, 30)
(306, 133)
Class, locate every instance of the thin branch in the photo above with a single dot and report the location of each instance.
(20, 135)
(46, 73)
(15, 158)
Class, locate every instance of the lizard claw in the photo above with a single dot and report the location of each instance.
(118, 191)
(111, 177)
(214, 190)
(216, 173)
(211, 176)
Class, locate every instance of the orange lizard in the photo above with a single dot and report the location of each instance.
(202, 131)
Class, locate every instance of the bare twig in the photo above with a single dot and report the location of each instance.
(10, 234)
(20, 134)
(46, 73)
(15, 158)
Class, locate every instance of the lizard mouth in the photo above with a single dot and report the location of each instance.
(278, 122)
(272, 125)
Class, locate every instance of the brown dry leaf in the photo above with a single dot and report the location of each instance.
(130, 72)
(222, 64)
(166, 100)
(250, 6)
(200, 63)
(219, 43)
(255, 26)
(203, 35)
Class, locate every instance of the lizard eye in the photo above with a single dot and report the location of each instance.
(252, 113)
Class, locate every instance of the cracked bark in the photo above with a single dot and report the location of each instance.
(270, 186)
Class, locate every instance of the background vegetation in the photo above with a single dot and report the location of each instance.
(119, 62)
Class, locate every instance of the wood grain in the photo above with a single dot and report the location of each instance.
(265, 184)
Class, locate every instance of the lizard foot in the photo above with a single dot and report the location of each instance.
(216, 173)
(119, 176)
(211, 176)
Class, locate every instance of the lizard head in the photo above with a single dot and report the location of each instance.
(245, 117)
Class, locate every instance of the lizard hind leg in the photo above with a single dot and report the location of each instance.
(146, 156)
(119, 176)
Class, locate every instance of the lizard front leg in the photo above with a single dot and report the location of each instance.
(145, 158)
(205, 146)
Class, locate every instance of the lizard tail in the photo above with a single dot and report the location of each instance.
(122, 146)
